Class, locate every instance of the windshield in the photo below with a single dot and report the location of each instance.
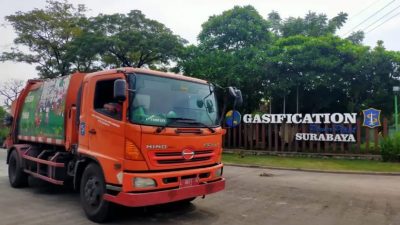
(161, 101)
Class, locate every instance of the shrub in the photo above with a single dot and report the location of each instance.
(390, 148)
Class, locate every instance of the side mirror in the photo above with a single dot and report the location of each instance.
(236, 94)
(120, 90)
(209, 106)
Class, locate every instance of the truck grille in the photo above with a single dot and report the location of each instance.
(175, 157)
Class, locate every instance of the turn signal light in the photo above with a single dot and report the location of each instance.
(219, 172)
(132, 152)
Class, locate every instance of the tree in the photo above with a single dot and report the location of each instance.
(379, 71)
(356, 37)
(297, 57)
(48, 33)
(333, 74)
(61, 40)
(230, 52)
(234, 29)
(312, 65)
(312, 24)
(275, 19)
(133, 40)
(10, 90)
(242, 69)
(3, 130)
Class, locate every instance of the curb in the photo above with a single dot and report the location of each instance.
(314, 171)
(304, 154)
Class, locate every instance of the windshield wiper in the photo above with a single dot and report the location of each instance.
(191, 121)
(169, 121)
(183, 120)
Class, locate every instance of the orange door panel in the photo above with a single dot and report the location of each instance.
(106, 134)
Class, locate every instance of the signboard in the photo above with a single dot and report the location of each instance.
(331, 127)
(43, 110)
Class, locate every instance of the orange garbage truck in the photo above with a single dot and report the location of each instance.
(127, 136)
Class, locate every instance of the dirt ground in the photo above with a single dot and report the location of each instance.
(277, 197)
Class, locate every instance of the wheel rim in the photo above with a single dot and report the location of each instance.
(12, 165)
(93, 192)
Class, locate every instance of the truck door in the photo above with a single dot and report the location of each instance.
(106, 126)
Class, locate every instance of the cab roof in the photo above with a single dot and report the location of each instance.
(147, 71)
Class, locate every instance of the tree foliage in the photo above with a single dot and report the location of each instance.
(297, 57)
(47, 33)
(235, 29)
(268, 59)
(3, 130)
(133, 40)
(61, 40)
(230, 52)
(333, 73)
(312, 24)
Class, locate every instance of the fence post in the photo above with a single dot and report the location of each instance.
(282, 130)
(326, 144)
(234, 130)
(318, 142)
(303, 143)
(358, 136)
(257, 135)
(276, 136)
(245, 136)
(350, 144)
(366, 139)
(263, 136)
(334, 143)
(296, 143)
(240, 135)
(229, 145)
(251, 132)
(269, 137)
(385, 127)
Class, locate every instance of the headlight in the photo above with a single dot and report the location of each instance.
(141, 182)
(219, 172)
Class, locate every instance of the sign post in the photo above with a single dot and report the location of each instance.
(396, 90)
(396, 113)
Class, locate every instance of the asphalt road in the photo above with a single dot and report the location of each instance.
(279, 197)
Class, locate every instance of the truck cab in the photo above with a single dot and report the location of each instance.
(133, 137)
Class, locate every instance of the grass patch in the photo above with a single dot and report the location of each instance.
(312, 163)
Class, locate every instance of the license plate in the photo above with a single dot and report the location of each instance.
(189, 182)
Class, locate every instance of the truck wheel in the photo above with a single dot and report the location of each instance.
(91, 193)
(17, 177)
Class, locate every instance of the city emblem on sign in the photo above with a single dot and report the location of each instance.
(372, 118)
(233, 118)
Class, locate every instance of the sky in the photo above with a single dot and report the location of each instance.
(184, 18)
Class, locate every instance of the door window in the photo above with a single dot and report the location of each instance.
(104, 101)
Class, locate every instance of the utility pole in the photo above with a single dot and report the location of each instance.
(297, 99)
(284, 104)
(396, 118)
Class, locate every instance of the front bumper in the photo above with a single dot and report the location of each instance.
(160, 197)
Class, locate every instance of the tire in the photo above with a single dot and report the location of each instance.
(92, 189)
(17, 177)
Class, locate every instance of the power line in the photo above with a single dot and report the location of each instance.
(383, 23)
(363, 10)
(384, 7)
(381, 18)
